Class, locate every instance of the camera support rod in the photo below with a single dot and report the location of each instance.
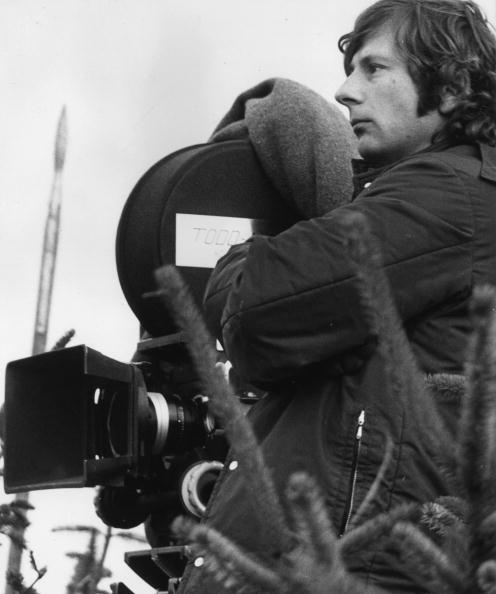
(45, 286)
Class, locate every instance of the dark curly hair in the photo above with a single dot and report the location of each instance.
(445, 44)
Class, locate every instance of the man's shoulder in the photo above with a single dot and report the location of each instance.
(425, 171)
(442, 182)
(475, 160)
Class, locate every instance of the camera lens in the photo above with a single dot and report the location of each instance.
(179, 424)
(161, 410)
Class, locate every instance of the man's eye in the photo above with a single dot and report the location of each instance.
(373, 67)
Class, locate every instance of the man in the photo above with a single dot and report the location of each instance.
(421, 93)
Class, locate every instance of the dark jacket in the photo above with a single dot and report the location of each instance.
(289, 306)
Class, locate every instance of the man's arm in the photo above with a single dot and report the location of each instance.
(293, 300)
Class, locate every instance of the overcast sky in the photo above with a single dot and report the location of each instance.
(140, 78)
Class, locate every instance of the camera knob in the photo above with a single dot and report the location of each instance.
(120, 507)
(197, 484)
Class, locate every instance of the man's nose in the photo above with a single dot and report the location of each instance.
(349, 92)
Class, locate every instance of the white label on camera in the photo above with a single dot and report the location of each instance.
(202, 239)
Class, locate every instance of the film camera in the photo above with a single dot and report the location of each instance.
(141, 430)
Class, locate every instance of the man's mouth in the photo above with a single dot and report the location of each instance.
(359, 121)
(358, 125)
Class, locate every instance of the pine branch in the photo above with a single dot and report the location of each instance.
(369, 498)
(64, 340)
(130, 536)
(425, 560)
(14, 536)
(227, 564)
(61, 141)
(99, 569)
(18, 504)
(82, 578)
(447, 528)
(486, 577)
(488, 526)
(16, 582)
(13, 514)
(447, 387)
(372, 532)
(406, 382)
(477, 446)
(76, 528)
(40, 571)
(440, 520)
(315, 567)
(456, 506)
(224, 404)
(311, 520)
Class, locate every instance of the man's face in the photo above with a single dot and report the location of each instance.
(382, 100)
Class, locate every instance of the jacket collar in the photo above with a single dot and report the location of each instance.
(488, 155)
(364, 173)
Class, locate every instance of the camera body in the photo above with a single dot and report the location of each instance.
(141, 431)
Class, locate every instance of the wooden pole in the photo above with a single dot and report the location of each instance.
(45, 286)
(50, 241)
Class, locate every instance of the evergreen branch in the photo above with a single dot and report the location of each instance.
(15, 519)
(315, 566)
(371, 532)
(488, 526)
(84, 571)
(99, 568)
(440, 520)
(407, 384)
(40, 571)
(76, 528)
(478, 425)
(456, 506)
(16, 581)
(64, 340)
(130, 536)
(425, 560)
(18, 504)
(486, 577)
(477, 445)
(312, 524)
(223, 560)
(61, 141)
(374, 487)
(224, 576)
(226, 407)
(74, 555)
(85, 581)
(447, 387)
(447, 528)
(15, 537)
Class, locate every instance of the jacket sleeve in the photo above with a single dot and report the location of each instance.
(293, 300)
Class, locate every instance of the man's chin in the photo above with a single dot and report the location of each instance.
(368, 153)
(374, 155)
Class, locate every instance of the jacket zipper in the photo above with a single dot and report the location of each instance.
(348, 510)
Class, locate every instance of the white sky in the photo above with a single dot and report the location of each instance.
(139, 79)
